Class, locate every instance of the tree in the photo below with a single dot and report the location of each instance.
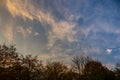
(55, 71)
(14, 66)
(34, 66)
(79, 64)
(95, 71)
(117, 71)
(8, 56)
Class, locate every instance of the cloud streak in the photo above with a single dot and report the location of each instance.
(19, 8)
(7, 31)
(57, 27)
(60, 29)
(27, 31)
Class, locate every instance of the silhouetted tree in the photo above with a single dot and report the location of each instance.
(79, 64)
(55, 71)
(94, 70)
(14, 66)
(34, 66)
(117, 71)
(8, 56)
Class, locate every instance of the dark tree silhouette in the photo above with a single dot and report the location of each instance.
(117, 71)
(55, 71)
(8, 56)
(94, 70)
(79, 64)
(14, 66)
(18, 67)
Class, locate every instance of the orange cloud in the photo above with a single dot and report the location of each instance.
(60, 29)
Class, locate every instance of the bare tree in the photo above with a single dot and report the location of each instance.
(8, 56)
(79, 64)
(55, 71)
(117, 71)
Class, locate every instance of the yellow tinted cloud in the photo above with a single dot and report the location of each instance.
(25, 32)
(9, 34)
(60, 29)
(7, 31)
(18, 8)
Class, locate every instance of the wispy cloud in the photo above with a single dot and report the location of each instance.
(24, 31)
(19, 8)
(117, 57)
(55, 57)
(110, 65)
(36, 34)
(7, 31)
(76, 29)
(21, 30)
(109, 51)
(60, 29)
(8, 34)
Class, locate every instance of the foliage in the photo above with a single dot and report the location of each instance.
(94, 70)
(14, 66)
(117, 71)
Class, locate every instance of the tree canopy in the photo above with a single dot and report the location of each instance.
(14, 66)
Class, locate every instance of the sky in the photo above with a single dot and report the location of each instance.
(61, 29)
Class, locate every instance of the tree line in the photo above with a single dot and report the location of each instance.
(14, 66)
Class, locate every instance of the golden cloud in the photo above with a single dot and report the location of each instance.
(25, 9)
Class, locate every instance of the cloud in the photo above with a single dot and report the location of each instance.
(36, 34)
(63, 28)
(21, 30)
(24, 31)
(117, 57)
(2, 2)
(29, 30)
(109, 51)
(59, 29)
(55, 57)
(62, 31)
(8, 33)
(19, 8)
(26, 9)
(110, 65)
(7, 30)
